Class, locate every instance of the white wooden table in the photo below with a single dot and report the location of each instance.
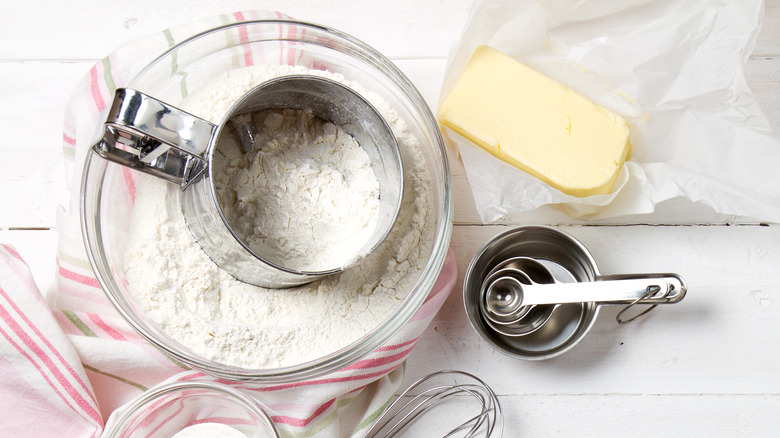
(708, 366)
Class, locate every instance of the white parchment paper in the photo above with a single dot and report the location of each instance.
(672, 68)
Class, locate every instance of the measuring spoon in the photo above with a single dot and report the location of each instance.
(506, 293)
(505, 316)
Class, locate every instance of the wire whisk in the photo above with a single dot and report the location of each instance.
(487, 422)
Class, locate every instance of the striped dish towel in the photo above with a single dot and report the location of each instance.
(78, 362)
(45, 390)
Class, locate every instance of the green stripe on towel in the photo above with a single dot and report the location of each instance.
(372, 417)
(74, 261)
(107, 76)
(79, 323)
(117, 378)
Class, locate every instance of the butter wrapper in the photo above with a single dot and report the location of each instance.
(673, 69)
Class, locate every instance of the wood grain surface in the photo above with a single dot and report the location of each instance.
(708, 366)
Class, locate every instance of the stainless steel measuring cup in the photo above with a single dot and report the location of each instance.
(507, 294)
(146, 134)
(503, 312)
(491, 287)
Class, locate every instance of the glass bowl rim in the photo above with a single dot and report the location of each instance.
(379, 335)
(129, 410)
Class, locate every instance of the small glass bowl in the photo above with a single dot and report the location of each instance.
(169, 408)
(196, 61)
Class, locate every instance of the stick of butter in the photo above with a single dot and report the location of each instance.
(536, 124)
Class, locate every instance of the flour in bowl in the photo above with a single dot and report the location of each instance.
(209, 430)
(303, 196)
(218, 317)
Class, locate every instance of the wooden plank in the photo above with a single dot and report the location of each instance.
(35, 96)
(32, 148)
(91, 29)
(706, 366)
(768, 41)
(610, 415)
(724, 331)
(41, 89)
(409, 28)
(762, 73)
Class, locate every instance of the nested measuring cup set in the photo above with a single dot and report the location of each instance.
(534, 292)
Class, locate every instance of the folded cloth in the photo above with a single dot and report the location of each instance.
(45, 389)
(79, 361)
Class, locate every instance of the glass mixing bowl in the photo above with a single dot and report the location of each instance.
(193, 63)
(170, 408)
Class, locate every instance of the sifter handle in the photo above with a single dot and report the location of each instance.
(153, 137)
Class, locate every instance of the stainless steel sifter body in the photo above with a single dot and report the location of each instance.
(151, 136)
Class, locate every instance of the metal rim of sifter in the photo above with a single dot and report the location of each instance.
(339, 104)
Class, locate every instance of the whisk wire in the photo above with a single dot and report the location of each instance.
(414, 408)
(400, 414)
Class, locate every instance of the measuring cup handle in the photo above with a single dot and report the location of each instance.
(671, 287)
(676, 289)
(153, 137)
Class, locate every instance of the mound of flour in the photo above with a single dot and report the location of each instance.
(303, 195)
(223, 319)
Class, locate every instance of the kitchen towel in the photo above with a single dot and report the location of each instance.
(45, 389)
(78, 360)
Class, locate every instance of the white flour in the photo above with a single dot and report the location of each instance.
(209, 430)
(304, 197)
(231, 322)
